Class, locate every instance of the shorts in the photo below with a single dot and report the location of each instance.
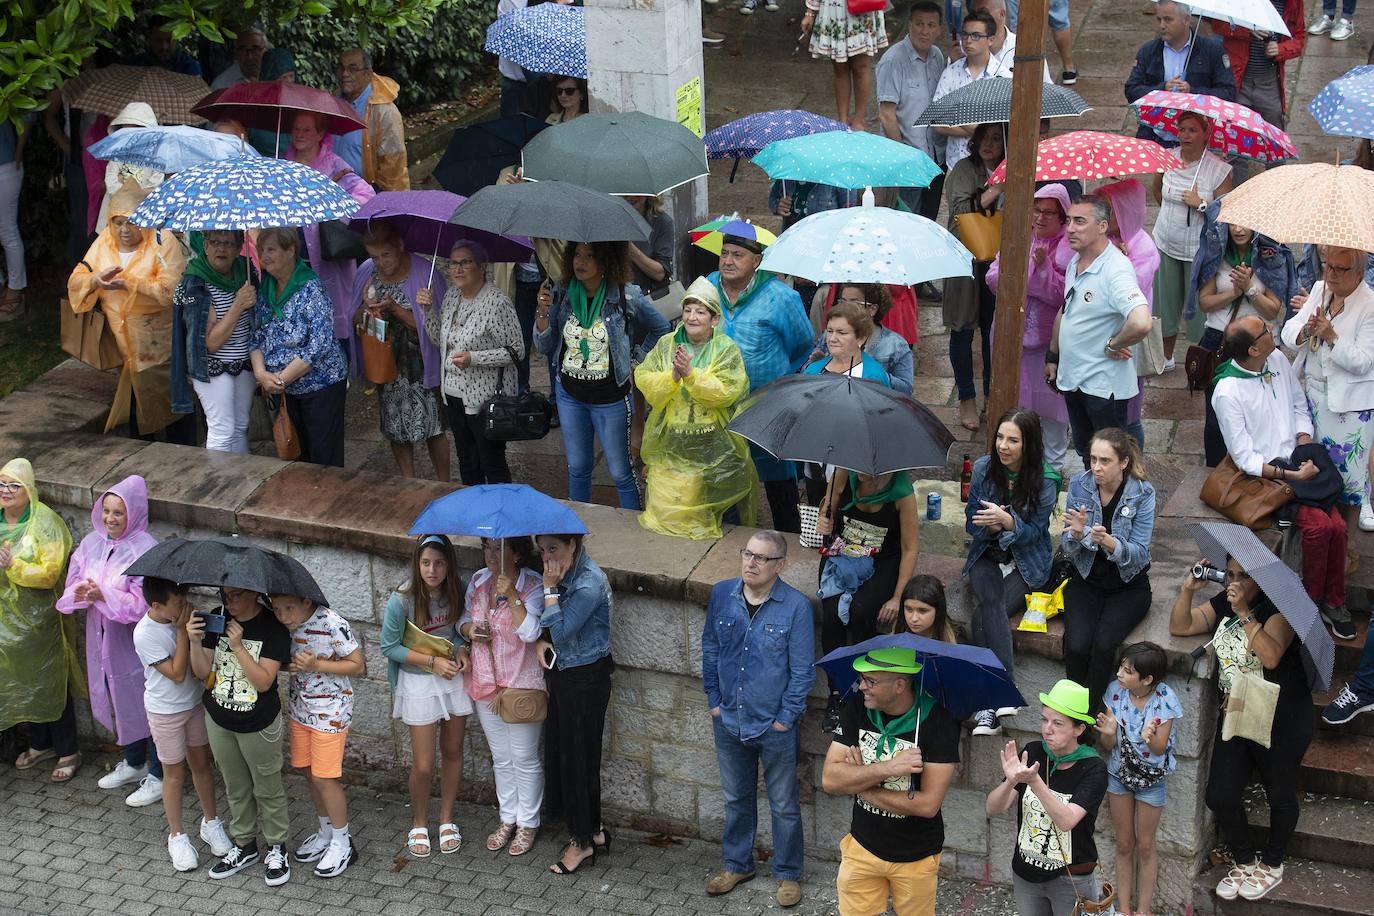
(1059, 15)
(321, 751)
(1153, 796)
(174, 732)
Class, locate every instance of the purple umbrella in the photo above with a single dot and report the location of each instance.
(744, 137)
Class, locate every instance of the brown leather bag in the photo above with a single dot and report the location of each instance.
(1243, 498)
(379, 360)
(87, 336)
(283, 430)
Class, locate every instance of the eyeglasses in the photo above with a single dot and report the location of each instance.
(11, 487)
(1334, 269)
(351, 69)
(871, 682)
(749, 556)
(465, 264)
(1044, 214)
(568, 90)
(973, 36)
(1237, 575)
(864, 302)
(230, 244)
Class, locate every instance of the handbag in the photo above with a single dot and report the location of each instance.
(284, 435)
(1135, 772)
(980, 233)
(379, 359)
(514, 417)
(422, 643)
(1243, 498)
(516, 705)
(859, 7)
(339, 243)
(1149, 353)
(1249, 709)
(1200, 363)
(808, 537)
(87, 336)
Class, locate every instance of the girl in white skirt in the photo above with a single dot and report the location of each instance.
(430, 695)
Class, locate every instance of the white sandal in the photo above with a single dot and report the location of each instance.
(447, 833)
(1262, 880)
(1229, 887)
(418, 839)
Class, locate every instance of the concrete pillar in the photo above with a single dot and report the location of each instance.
(645, 55)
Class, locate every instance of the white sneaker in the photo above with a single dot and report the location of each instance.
(1340, 32)
(1320, 27)
(1169, 366)
(336, 859)
(312, 848)
(1004, 712)
(213, 835)
(770, 5)
(1367, 515)
(985, 723)
(148, 791)
(122, 775)
(183, 854)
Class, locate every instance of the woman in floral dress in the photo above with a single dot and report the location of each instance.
(849, 42)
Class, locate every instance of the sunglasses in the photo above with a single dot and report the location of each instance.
(568, 90)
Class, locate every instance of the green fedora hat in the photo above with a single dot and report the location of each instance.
(892, 660)
(1068, 697)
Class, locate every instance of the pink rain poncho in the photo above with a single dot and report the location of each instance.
(1128, 212)
(114, 673)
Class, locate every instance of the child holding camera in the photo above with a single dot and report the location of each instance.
(324, 655)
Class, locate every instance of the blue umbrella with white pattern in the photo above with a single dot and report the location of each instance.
(169, 148)
(1345, 106)
(548, 38)
(743, 137)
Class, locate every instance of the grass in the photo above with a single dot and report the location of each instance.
(30, 346)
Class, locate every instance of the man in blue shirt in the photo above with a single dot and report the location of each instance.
(1179, 60)
(163, 51)
(757, 654)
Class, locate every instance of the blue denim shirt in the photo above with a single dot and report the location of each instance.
(636, 306)
(1029, 541)
(190, 358)
(1132, 526)
(757, 671)
(580, 622)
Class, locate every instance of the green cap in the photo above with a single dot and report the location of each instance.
(893, 661)
(1069, 698)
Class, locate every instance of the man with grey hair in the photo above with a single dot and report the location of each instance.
(757, 654)
(249, 47)
(1104, 315)
(378, 151)
(1179, 60)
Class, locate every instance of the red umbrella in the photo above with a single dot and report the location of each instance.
(270, 106)
(1085, 154)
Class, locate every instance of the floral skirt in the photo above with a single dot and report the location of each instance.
(839, 36)
(410, 411)
(1346, 438)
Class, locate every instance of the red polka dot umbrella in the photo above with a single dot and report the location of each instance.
(1090, 154)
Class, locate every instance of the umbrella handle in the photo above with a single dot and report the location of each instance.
(433, 261)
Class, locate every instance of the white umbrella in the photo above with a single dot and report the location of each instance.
(1255, 15)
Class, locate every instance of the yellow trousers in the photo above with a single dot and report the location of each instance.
(865, 882)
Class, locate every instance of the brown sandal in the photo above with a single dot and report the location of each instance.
(523, 842)
(32, 758)
(66, 768)
(498, 840)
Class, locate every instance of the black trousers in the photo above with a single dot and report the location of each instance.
(1087, 414)
(1096, 623)
(59, 735)
(782, 504)
(526, 303)
(479, 459)
(1213, 443)
(573, 732)
(319, 421)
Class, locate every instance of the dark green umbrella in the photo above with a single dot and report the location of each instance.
(232, 562)
(552, 210)
(618, 153)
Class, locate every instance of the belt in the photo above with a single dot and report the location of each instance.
(1082, 868)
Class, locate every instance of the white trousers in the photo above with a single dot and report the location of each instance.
(227, 400)
(516, 765)
(11, 177)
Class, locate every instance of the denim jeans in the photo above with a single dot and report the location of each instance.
(141, 752)
(1363, 680)
(739, 778)
(996, 599)
(961, 342)
(610, 423)
(1347, 9)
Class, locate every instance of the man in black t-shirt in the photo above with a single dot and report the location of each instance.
(896, 753)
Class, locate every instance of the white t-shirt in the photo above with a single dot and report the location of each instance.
(1222, 316)
(155, 643)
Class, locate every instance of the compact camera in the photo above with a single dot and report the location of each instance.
(1209, 573)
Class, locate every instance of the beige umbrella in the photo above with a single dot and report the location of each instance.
(109, 89)
(1317, 203)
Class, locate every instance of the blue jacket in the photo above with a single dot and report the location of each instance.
(1273, 263)
(1132, 526)
(1209, 73)
(190, 358)
(1029, 542)
(757, 671)
(616, 313)
(580, 622)
(873, 370)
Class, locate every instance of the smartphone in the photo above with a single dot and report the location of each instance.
(215, 622)
(550, 657)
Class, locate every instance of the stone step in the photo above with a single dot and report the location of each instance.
(1340, 764)
(1308, 889)
(1331, 829)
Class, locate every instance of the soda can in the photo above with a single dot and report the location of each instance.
(933, 507)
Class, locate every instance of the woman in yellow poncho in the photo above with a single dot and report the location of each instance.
(131, 276)
(697, 468)
(39, 674)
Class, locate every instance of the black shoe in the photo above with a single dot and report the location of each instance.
(603, 849)
(553, 420)
(277, 867)
(1068, 77)
(929, 292)
(831, 721)
(238, 858)
(1337, 617)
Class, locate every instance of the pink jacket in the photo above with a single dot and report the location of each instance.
(1128, 206)
(113, 669)
(513, 651)
(1044, 284)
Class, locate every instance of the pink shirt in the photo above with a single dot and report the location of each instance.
(512, 660)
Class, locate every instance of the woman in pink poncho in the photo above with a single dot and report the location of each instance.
(1127, 232)
(113, 603)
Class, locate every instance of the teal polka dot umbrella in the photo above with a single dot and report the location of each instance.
(847, 160)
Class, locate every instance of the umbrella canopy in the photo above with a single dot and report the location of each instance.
(851, 423)
(868, 245)
(273, 106)
(1256, 15)
(848, 160)
(1219, 540)
(711, 236)
(169, 149)
(1093, 154)
(107, 90)
(231, 562)
(989, 102)
(477, 154)
(1345, 106)
(1236, 130)
(622, 153)
(497, 510)
(420, 218)
(547, 38)
(553, 210)
(244, 194)
(744, 137)
(963, 679)
(1336, 205)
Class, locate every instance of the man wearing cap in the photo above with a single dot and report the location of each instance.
(766, 318)
(896, 753)
(1055, 862)
(757, 651)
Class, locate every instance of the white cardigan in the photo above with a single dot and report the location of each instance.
(1350, 369)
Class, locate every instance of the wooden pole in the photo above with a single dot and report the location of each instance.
(1018, 201)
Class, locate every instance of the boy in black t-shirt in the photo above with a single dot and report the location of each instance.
(896, 753)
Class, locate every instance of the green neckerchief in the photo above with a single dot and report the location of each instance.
(1082, 752)
(701, 353)
(899, 487)
(1236, 259)
(1049, 472)
(7, 527)
(299, 277)
(1229, 369)
(908, 721)
(586, 313)
(760, 278)
(200, 267)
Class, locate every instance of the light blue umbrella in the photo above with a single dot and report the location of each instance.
(845, 159)
(244, 194)
(497, 510)
(868, 244)
(1345, 106)
(174, 148)
(547, 38)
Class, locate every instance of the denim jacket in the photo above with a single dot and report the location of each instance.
(621, 302)
(580, 622)
(757, 671)
(1029, 542)
(190, 314)
(1132, 526)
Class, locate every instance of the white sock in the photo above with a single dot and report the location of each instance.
(325, 828)
(340, 836)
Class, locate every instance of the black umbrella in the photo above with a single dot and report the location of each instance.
(989, 102)
(552, 210)
(231, 562)
(477, 154)
(851, 423)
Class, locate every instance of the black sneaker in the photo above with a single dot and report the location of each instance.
(238, 858)
(1337, 617)
(985, 722)
(1347, 705)
(1068, 77)
(276, 867)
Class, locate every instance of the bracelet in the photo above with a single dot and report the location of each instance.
(1051, 357)
(550, 592)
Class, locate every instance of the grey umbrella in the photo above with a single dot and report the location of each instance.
(1219, 540)
(989, 102)
(232, 562)
(552, 210)
(625, 152)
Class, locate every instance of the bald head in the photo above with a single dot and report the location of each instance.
(1249, 341)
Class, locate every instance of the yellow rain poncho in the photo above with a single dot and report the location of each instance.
(37, 658)
(697, 468)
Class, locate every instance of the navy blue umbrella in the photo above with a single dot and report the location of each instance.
(477, 154)
(497, 510)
